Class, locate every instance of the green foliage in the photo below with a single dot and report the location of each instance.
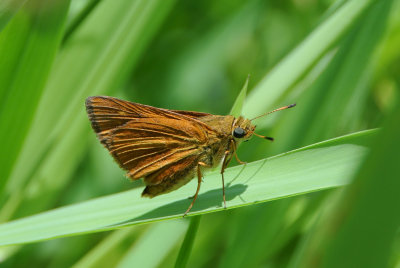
(28, 47)
(317, 167)
(186, 248)
(339, 62)
(330, 245)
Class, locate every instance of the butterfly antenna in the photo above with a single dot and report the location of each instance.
(273, 111)
(264, 137)
(279, 109)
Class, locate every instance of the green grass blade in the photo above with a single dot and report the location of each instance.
(155, 244)
(28, 48)
(120, 31)
(78, 19)
(238, 105)
(360, 230)
(8, 8)
(340, 93)
(187, 244)
(92, 69)
(200, 66)
(98, 256)
(275, 84)
(269, 221)
(313, 168)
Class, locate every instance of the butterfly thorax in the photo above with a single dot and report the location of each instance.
(218, 140)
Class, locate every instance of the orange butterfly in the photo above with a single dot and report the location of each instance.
(167, 148)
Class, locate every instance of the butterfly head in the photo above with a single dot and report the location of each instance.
(242, 129)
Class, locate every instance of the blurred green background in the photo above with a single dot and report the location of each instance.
(339, 60)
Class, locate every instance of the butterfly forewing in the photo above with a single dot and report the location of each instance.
(145, 140)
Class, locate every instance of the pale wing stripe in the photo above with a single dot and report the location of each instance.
(119, 102)
(161, 158)
(160, 132)
(104, 117)
(99, 107)
(139, 139)
(172, 129)
(136, 108)
(142, 146)
(142, 156)
(106, 107)
(130, 148)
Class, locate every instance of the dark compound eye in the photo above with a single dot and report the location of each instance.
(239, 133)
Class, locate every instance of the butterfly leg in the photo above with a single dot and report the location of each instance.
(225, 163)
(199, 176)
(236, 156)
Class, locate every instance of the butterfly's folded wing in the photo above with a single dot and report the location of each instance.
(144, 139)
(107, 112)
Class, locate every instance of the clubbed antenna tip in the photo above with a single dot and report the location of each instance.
(273, 111)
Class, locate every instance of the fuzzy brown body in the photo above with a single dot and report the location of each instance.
(165, 147)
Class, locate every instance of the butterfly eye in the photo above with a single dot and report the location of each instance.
(239, 132)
